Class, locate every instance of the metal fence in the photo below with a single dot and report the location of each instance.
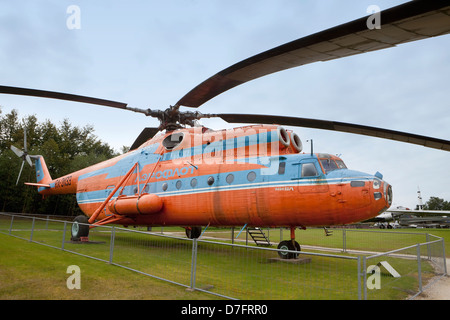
(351, 264)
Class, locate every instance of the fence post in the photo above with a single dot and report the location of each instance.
(364, 269)
(419, 268)
(193, 263)
(64, 235)
(10, 226)
(444, 257)
(359, 277)
(232, 235)
(344, 240)
(32, 229)
(111, 244)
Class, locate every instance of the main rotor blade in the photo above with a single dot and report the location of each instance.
(146, 134)
(411, 21)
(61, 96)
(341, 127)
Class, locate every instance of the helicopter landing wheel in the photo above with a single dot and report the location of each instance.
(193, 232)
(80, 228)
(288, 245)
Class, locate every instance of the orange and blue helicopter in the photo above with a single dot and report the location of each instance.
(183, 174)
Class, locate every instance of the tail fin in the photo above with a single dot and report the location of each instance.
(43, 177)
(42, 174)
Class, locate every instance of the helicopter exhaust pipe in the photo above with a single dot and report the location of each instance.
(134, 205)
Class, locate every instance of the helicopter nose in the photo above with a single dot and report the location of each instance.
(382, 190)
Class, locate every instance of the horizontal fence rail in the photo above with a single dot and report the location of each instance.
(351, 264)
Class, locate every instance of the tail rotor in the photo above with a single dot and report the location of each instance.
(22, 154)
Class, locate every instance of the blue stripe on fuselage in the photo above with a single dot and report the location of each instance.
(223, 145)
(146, 155)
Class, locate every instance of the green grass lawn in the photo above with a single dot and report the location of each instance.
(26, 268)
(29, 271)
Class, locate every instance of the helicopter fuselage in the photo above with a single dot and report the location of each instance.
(254, 175)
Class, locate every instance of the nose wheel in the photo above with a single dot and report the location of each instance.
(286, 247)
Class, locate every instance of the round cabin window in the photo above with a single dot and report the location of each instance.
(251, 176)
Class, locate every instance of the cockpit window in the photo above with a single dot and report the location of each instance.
(330, 164)
(341, 164)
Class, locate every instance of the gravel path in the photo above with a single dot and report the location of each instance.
(439, 290)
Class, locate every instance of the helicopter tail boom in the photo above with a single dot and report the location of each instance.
(44, 182)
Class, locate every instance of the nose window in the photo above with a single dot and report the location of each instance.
(376, 184)
(389, 195)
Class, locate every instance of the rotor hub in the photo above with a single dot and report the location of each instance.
(172, 118)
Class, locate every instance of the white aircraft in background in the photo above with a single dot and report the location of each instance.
(405, 217)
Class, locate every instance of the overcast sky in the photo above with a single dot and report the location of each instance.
(150, 53)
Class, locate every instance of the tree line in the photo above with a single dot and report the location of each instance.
(436, 203)
(65, 148)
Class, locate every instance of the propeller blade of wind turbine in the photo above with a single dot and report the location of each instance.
(20, 172)
(17, 151)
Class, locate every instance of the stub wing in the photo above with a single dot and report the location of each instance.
(41, 185)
